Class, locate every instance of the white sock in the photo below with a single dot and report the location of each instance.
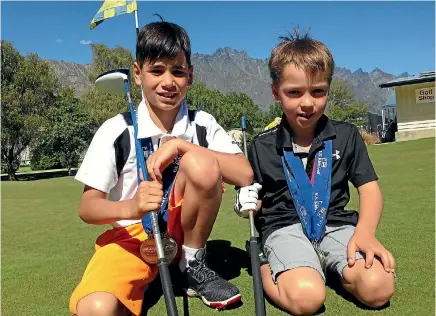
(188, 254)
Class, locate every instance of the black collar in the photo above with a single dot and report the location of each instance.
(324, 130)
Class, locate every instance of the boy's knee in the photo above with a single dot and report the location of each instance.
(201, 169)
(303, 298)
(98, 304)
(376, 289)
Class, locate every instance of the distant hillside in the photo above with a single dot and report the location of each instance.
(72, 74)
(231, 70)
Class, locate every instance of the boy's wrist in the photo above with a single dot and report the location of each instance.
(182, 146)
(127, 208)
(365, 228)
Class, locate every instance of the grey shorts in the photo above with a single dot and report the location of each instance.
(288, 248)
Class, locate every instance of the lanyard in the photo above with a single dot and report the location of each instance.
(168, 177)
(311, 199)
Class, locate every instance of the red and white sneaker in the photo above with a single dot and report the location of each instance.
(205, 283)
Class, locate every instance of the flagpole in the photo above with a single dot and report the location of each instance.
(136, 22)
(137, 35)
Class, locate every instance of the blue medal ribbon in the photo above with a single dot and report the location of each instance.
(311, 199)
(168, 177)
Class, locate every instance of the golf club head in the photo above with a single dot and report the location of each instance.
(245, 125)
(112, 81)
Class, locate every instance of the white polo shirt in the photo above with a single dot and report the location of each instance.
(99, 167)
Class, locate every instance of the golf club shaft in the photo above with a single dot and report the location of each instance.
(167, 287)
(252, 227)
(259, 300)
(250, 213)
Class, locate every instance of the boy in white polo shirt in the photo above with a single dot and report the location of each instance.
(189, 156)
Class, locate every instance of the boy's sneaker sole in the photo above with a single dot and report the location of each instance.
(218, 305)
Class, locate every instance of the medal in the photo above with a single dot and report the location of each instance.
(149, 252)
(170, 248)
(311, 195)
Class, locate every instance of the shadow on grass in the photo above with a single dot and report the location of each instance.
(221, 257)
(31, 176)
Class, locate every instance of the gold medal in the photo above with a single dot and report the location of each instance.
(149, 252)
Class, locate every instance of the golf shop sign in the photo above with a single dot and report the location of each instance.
(424, 95)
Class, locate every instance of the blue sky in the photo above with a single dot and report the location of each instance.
(393, 36)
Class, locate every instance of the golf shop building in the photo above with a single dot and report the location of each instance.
(414, 106)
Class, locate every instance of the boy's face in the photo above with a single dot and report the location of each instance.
(165, 81)
(303, 98)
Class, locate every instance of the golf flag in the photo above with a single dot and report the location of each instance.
(112, 8)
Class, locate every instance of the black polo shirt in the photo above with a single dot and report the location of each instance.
(350, 163)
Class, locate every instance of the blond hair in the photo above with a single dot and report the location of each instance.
(303, 52)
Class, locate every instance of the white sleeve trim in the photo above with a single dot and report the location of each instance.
(216, 136)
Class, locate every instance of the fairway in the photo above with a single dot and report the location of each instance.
(45, 246)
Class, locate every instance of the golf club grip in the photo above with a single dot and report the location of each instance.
(257, 280)
(167, 288)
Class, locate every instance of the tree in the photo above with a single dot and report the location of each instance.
(342, 105)
(340, 94)
(67, 131)
(101, 105)
(226, 108)
(105, 58)
(234, 106)
(28, 87)
(356, 113)
(200, 97)
(275, 110)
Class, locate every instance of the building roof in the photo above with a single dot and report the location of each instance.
(427, 76)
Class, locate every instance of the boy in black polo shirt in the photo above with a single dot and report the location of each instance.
(301, 169)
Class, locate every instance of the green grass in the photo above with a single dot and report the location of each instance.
(25, 169)
(45, 246)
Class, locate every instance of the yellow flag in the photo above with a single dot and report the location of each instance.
(112, 8)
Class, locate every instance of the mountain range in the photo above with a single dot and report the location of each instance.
(229, 70)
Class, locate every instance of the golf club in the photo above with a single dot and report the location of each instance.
(259, 300)
(116, 81)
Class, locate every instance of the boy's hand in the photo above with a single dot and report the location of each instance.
(246, 199)
(370, 246)
(162, 158)
(148, 198)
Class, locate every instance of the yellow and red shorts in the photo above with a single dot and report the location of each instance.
(117, 266)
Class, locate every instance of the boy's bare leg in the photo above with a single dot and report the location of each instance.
(269, 286)
(199, 184)
(300, 291)
(373, 287)
(100, 304)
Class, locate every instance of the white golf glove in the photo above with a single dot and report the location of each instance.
(246, 199)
